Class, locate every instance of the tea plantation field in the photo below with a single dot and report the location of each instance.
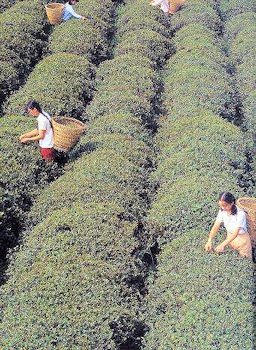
(105, 251)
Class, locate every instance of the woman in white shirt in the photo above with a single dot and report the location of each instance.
(43, 133)
(69, 11)
(234, 220)
(164, 5)
(168, 6)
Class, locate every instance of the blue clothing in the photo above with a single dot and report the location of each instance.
(69, 12)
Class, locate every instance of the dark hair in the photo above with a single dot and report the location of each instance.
(33, 104)
(230, 199)
(69, 1)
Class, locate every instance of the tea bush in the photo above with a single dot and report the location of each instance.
(196, 40)
(111, 180)
(148, 44)
(191, 89)
(199, 155)
(138, 15)
(196, 301)
(90, 37)
(6, 4)
(197, 11)
(94, 223)
(239, 34)
(125, 88)
(23, 35)
(193, 167)
(229, 9)
(61, 82)
(197, 62)
(17, 169)
(65, 296)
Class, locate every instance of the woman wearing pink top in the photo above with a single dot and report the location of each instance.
(234, 220)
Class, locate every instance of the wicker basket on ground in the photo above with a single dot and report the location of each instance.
(249, 206)
(54, 12)
(67, 132)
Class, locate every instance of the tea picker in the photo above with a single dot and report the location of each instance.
(54, 134)
(69, 12)
(233, 217)
(43, 133)
(58, 12)
(168, 6)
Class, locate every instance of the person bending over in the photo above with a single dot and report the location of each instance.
(69, 11)
(234, 220)
(44, 132)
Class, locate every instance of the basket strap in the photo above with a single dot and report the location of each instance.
(48, 119)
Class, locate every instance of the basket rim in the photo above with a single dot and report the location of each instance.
(48, 6)
(76, 121)
(246, 205)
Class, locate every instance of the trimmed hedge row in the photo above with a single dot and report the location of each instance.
(197, 159)
(131, 71)
(23, 35)
(194, 302)
(94, 33)
(63, 83)
(67, 94)
(65, 296)
(191, 72)
(200, 301)
(102, 229)
(137, 15)
(110, 180)
(148, 28)
(197, 11)
(239, 34)
(5, 4)
(124, 85)
(229, 9)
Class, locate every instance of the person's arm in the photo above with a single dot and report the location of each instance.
(156, 2)
(241, 223)
(40, 135)
(212, 234)
(74, 14)
(29, 134)
(220, 248)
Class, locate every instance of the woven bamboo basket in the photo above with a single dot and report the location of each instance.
(174, 5)
(249, 206)
(67, 132)
(54, 12)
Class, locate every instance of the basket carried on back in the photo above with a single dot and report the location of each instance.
(67, 132)
(174, 5)
(249, 206)
(54, 12)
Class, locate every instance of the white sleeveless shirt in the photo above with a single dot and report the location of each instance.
(231, 222)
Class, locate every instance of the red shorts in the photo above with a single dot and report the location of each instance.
(47, 154)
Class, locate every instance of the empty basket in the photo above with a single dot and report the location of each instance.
(54, 12)
(67, 132)
(249, 206)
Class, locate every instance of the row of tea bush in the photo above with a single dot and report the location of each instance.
(23, 36)
(239, 35)
(195, 299)
(75, 270)
(63, 84)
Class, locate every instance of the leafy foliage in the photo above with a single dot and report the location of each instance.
(23, 34)
(239, 34)
(61, 82)
(196, 301)
(94, 32)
